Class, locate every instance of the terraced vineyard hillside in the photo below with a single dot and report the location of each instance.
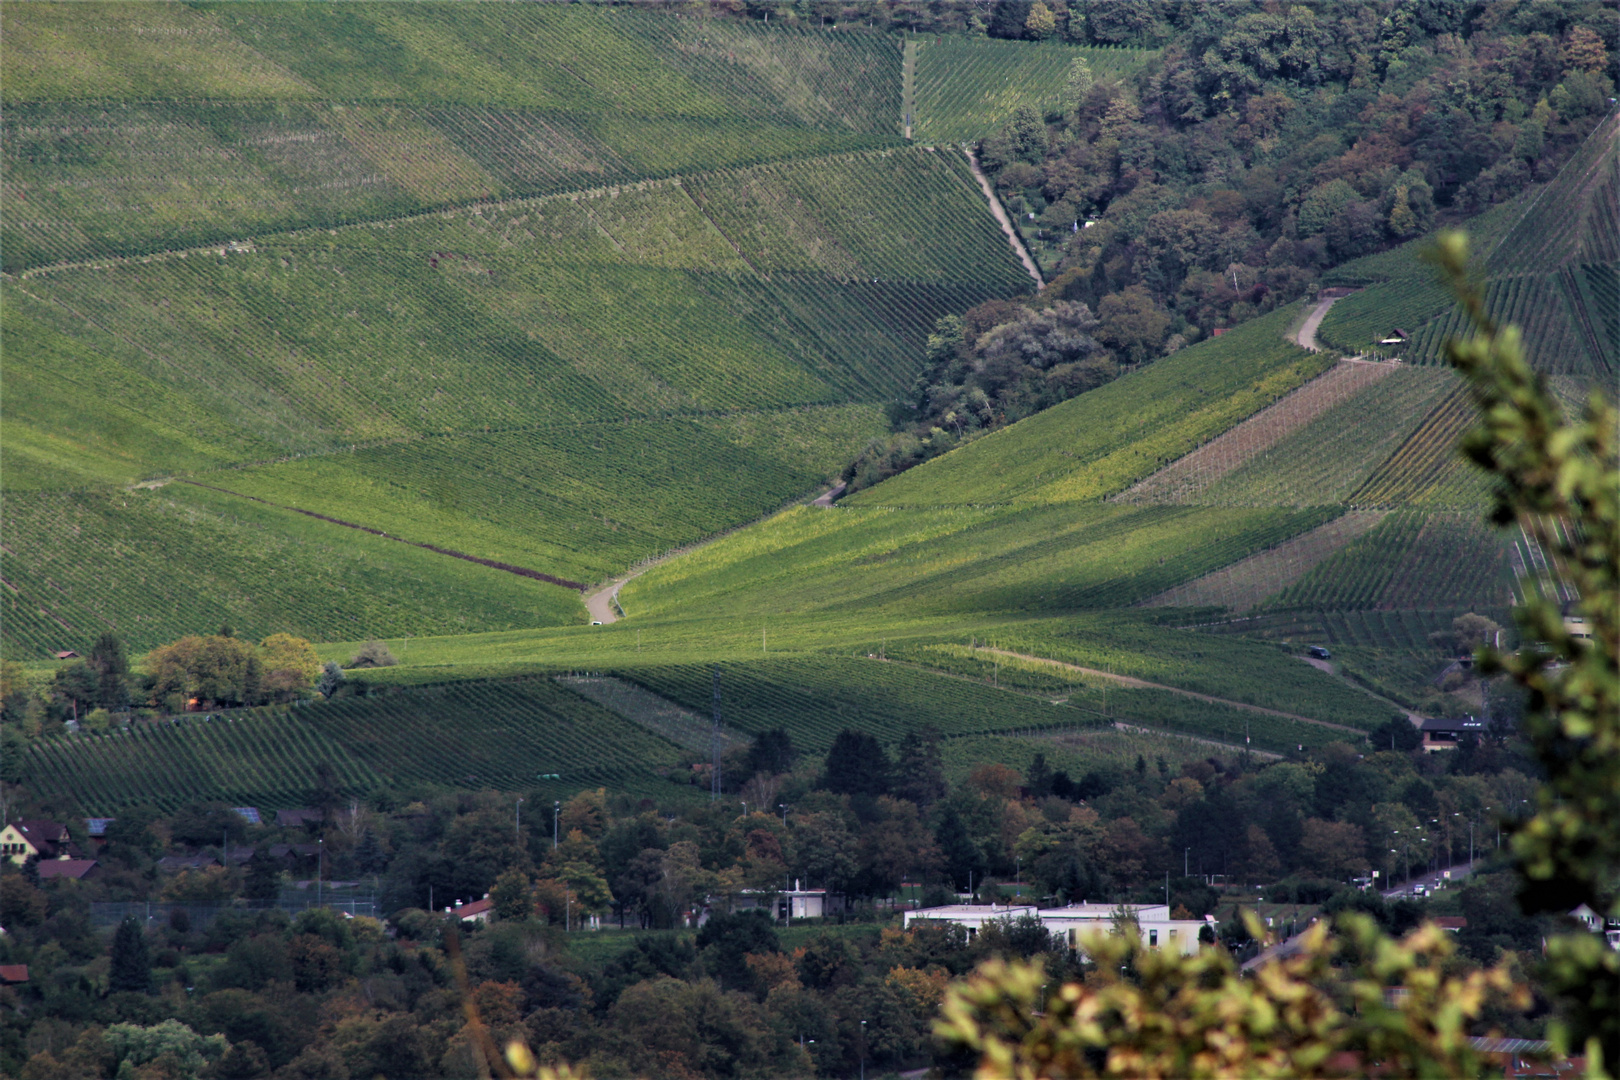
(1550, 256)
(208, 125)
(555, 288)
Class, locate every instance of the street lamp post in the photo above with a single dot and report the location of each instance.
(863, 1050)
(556, 815)
(1186, 853)
(517, 822)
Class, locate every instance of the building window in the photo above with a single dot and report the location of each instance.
(1153, 938)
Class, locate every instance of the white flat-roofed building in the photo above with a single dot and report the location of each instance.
(1073, 923)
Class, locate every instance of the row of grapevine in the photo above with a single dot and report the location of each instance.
(1541, 305)
(502, 734)
(1137, 707)
(967, 88)
(1331, 458)
(579, 502)
(1223, 666)
(1410, 560)
(262, 757)
(1572, 216)
(1427, 468)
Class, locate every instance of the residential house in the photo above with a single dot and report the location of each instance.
(294, 819)
(477, 911)
(74, 869)
(44, 840)
(12, 974)
(1440, 733)
(249, 814)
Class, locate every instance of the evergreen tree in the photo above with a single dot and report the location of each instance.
(263, 876)
(111, 666)
(131, 963)
(856, 765)
(919, 769)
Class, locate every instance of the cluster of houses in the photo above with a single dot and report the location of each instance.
(57, 855)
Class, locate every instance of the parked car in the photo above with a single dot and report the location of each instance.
(1317, 652)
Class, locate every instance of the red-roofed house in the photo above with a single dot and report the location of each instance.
(477, 911)
(1453, 923)
(12, 974)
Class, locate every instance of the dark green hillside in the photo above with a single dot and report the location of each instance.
(500, 734)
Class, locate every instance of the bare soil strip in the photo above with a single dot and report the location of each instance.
(1126, 680)
(1006, 222)
(1186, 479)
(1244, 584)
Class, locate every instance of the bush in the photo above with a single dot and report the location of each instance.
(373, 654)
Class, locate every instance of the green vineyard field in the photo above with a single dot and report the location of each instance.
(903, 563)
(1101, 442)
(155, 565)
(1332, 458)
(498, 734)
(1410, 560)
(814, 698)
(969, 87)
(208, 126)
(1427, 469)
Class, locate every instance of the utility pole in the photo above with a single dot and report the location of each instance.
(517, 822)
(556, 813)
(714, 780)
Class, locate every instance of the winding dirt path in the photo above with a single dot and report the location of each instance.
(1126, 680)
(603, 601)
(1006, 223)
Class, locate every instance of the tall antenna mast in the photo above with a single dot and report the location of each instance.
(714, 779)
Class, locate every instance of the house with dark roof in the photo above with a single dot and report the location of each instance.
(1442, 733)
(173, 864)
(292, 819)
(73, 869)
(44, 840)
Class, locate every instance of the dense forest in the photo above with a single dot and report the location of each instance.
(1266, 146)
